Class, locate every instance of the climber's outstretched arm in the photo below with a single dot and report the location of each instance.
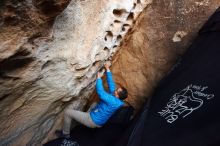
(103, 95)
(110, 81)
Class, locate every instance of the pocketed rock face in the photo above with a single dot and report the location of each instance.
(47, 62)
(160, 35)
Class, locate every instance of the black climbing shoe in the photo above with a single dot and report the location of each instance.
(59, 134)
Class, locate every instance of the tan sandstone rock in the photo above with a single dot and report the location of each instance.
(49, 57)
(159, 36)
(47, 63)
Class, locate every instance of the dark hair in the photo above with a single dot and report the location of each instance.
(123, 94)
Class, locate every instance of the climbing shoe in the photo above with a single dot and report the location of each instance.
(60, 134)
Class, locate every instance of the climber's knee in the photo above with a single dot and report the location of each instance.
(67, 112)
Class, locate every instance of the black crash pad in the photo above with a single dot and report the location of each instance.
(185, 107)
(107, 135)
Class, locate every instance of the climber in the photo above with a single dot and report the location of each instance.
(98, 115)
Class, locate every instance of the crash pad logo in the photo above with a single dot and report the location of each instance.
(183, 103)
(67, 142)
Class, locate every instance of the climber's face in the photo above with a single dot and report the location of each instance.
(117, 91)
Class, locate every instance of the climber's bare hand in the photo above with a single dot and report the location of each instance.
(100, 73)
(107, 65)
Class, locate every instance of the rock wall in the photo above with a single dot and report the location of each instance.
(161, 34)
(48, 62)
(51, 50)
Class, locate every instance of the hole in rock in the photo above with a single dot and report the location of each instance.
(119, 38)
(108, 36)
(125, 27)
(130, 16)
(13, 64)
(106, 49)
(118, 12)
(18, 60)
(79, 68)
(21, 53)
(115, 46)
(134, 6)
(51, 8)
(117, 24)
(117, 21)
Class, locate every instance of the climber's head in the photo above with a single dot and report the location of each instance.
(121, 93)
